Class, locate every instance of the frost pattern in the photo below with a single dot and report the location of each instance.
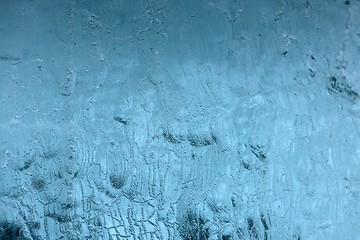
(179, 120)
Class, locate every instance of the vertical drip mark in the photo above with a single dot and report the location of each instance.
(252, 229)
(67, 86)
(70, 159)
(265, 225)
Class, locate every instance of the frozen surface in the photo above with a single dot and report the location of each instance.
(180, 119)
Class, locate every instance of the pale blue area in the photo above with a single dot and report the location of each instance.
(186, 119)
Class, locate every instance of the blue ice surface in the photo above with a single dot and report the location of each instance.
(179, 119)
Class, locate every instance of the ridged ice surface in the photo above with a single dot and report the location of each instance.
(191, 119)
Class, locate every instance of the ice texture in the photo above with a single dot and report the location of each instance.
(180, 119)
